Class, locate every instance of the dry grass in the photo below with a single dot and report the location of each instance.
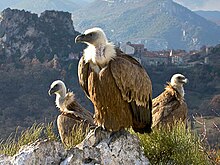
(12, 144)
(76, 136)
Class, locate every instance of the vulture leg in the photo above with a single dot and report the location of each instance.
(100, 134)
(116, 134)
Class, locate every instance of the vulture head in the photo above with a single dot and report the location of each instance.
(57, 87)
(99, 50)
(94, 36)
(177, 82)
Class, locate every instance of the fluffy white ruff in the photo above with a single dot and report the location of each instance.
(100, 55)
(179, 88)
(60, 102)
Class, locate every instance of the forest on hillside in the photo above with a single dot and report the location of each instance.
(24, 85)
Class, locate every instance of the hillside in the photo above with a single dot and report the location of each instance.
(36, 50)
(213, 16)
(159, 24)
(41, 5)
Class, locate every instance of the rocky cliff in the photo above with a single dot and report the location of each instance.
(28, 45)
(124, 149)
(24, 34)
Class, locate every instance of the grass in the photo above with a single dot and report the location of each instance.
(76, 136)
(176, 146)
(12, 144)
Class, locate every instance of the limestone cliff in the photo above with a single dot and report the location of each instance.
(24, 34)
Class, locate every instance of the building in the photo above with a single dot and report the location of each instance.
(127, 49)
(138, 48)
(154, 59)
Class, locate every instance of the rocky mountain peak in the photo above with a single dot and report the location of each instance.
(26, 34)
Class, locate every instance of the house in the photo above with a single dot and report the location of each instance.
(155, 59)
(138, 48)
(127, 49)
(177, 57)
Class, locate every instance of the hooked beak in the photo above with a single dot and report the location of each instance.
(51, 91)
(185, 81)
(80, 38)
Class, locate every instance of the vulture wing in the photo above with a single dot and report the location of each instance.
(135, 86)
(83, 73)
(73, 107)
(167, 106)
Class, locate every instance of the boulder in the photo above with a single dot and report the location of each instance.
(103, 148)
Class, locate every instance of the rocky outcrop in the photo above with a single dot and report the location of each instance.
(117, 149)
(40, 152)
(122, 148)
(24, 34)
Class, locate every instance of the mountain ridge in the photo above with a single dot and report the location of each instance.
(157, 24)
(213, 16)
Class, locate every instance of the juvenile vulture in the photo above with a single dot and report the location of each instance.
(72, 113)
(116, 83)
(170, 106)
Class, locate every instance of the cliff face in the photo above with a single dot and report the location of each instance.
(24, 34)
(28, 43)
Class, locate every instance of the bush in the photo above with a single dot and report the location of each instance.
(176, 146)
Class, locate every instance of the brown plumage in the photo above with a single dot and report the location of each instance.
(170, 106)
(116, 83)
(72, 113)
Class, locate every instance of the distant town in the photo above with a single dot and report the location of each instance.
(179, 58)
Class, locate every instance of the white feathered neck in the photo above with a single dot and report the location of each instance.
(179, 88)
(101, 54)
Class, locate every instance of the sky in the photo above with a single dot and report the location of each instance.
(200, 4)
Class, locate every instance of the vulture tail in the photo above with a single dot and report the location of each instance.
(142, 117)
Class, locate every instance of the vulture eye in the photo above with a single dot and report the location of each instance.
(55, 85)
(181, 78)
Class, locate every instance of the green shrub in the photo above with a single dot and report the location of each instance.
(176, 146)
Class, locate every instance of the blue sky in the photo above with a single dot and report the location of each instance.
(200, 4)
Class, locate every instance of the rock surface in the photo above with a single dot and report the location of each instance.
(27, 35)
(118, 149)
(40, 152)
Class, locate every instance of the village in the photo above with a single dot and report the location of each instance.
(179, 58)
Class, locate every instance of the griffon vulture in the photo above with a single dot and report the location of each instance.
(170, 106)
(72, 113)
(116, 83)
